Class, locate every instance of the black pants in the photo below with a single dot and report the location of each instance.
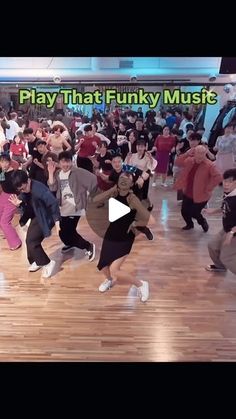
(191, 210)
(34, 238)
(145, 188)
(85, 163)
(179, 195)
(69, 235)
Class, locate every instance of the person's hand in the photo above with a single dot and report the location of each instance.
(140, 182)
(108, 161)
(51, 166)
(131, 227)
(179, 146)
(95, 144)
(14, 200)
(97, 172)
(208, 211)
(191, 152)
(36, 162)
(148, 154)
(228, 239)
(80, 142)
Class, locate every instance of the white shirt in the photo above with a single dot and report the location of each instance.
(67, 202)
(143, 164)
(13, 130)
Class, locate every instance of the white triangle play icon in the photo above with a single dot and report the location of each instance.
(116, 210)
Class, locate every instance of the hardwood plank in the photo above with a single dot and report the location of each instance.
(191, 314)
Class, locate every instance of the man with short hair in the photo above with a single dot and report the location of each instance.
(39, 169)
(40, 206)
(197, 180)
(72, 185)
(222, 248)
(86, 148)
(14, 128)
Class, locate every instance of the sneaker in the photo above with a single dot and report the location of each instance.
(48, 269)
(144, 291)
(213, 268)
(205, 226)
(164, 185)
(66, 249)
(154, 184)
(34, 267)
(106, 285)
(17, 247)
(91, 252)
(188, 227)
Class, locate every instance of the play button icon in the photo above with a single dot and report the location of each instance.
(101, 215)
(116, 210)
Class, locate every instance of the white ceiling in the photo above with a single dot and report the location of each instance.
(108, 68)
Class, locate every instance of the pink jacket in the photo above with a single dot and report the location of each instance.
(207, 177)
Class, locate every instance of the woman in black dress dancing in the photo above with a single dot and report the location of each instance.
(120, 235)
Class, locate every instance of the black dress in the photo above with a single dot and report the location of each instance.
(117, 242)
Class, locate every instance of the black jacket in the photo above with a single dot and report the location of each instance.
(229, 211)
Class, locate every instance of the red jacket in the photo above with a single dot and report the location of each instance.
(207, 177)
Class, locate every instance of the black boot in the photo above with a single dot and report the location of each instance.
(205, 225)
(188, 227)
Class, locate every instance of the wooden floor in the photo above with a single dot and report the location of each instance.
(191, 314)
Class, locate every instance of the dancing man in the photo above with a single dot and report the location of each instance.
(38, 204)
(222, 248)
(72, 185)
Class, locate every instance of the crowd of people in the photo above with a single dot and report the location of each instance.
(49, 168)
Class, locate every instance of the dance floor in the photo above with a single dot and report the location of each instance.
(190, 316)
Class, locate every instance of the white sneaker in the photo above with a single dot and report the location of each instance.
(154, 184)
(91, 252)
(144, 291)
(164, 185)
(106, 285)
(34, 267)
(48, 269)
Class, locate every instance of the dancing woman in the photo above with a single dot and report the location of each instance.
(120, 236)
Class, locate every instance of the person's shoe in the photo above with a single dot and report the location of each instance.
(148, 233)
(144, 291)
(17, 247)
(213, 268)
(164, 185)
(106, 285)
(34, 267)
(154, 184)
(188, 227)
(66, 249)
(91, 252)
(48, 269)
(205, 226)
